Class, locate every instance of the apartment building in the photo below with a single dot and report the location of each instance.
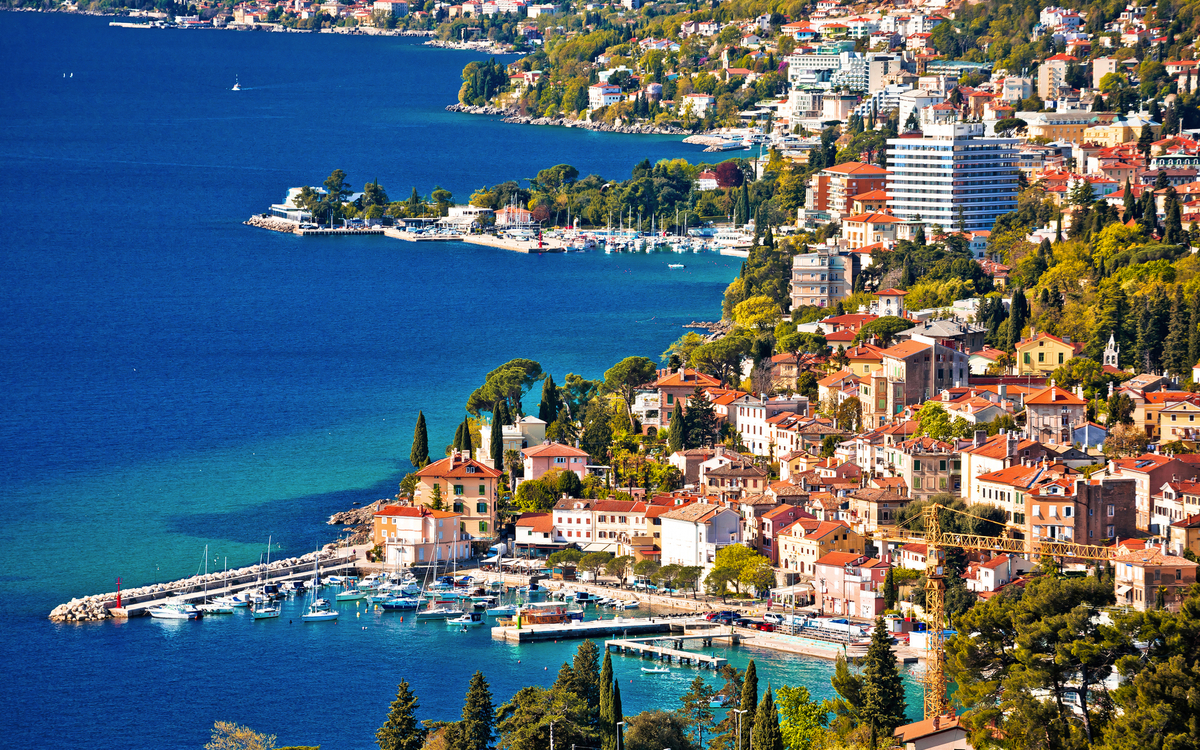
(822, 277)
(951, 176)
(832, 190)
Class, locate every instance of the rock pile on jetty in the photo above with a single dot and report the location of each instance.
(275, 225)
(96, 607)
(512, 117)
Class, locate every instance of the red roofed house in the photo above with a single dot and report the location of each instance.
(465, 486)
(416, 535)
(891, 302)
(805, 541)
(772, 525)
(1042, 354)
(1140, 575)
(707, 180)
(936, 733)
(1150, 472)
(850, 584)
(994, 574)
(678, 385)
(869, 228)
(542, 458)
(1052, 414)
(535, 534)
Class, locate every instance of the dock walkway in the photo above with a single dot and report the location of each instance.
(589, 629)
(670, 648)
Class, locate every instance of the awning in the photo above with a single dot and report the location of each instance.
(600, 547)
(1123, 590)
(492, 559)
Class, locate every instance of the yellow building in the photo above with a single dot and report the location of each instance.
(1058, 126)
(1042, 354)
(808, 540)
(463, 486)
(1180, 420)
(1120, 130)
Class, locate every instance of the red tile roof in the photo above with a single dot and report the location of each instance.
(1054, 396)
(553, 450)
(689, 378)
(458, 467)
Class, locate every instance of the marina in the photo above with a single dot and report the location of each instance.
(670, 650)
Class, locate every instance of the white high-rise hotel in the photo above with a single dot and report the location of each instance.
(951, 173)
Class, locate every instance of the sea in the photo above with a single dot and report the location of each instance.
(173, 381)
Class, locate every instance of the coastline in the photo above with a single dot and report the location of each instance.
(512, 117)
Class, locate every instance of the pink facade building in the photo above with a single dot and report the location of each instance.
(850, 584)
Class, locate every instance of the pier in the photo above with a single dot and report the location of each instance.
(320, 232)
(520, 246)
(589, 629)
(400, 234)
(670, 649)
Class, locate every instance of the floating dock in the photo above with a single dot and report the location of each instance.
(670, 649)
(321, 232)
(399, 234)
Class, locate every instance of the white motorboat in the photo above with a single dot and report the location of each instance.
(320, 610)
(175, 610)
(656, 670)
(631, 604)
(212, 608)
(438, 613)
(469, 619)
(504, 610)
(350, 595)
(676, 265)
(264, 610)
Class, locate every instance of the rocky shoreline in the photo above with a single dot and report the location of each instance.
(360, 521)
(512, 117)
(97, 607)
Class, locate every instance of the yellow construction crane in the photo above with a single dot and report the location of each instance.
(936, 541)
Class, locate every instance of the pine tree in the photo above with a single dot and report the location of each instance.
(401, 731)
(749, 705)
(477, 728)
(883, 692)
(496, 441)
(1175, 353)
(548, 408)
(678, 427)
(766, 734)
(419, 455)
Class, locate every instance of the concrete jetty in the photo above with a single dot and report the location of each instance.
(140, 600)
(520, 246)
(400, 234)
(589, 629)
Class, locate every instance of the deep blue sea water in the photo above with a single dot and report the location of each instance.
(170, 378)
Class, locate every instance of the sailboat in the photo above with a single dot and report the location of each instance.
(215, 606)
(265, 608)
(237, 85)
(319, 610)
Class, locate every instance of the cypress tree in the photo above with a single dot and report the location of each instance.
(889, 590)
(1130, 204)
(502, 409)
(618, 717)
(496, 441)
(419, 455)
(1058, 229)
(1194, 334)
(477, 728)
(749, 705)
(1016, 319)
(468, 439)
(605, 725)
(587, 675)
(883, 692)
(548, 408)
(458, 437)
(401, 731)
(766, 734)
(678, 428)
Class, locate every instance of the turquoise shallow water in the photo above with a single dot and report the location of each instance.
(170, 378)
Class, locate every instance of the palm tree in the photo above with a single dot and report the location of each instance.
(512, 459)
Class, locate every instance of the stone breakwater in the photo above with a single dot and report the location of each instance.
(275, 225)
(98, 607)
(512, 117)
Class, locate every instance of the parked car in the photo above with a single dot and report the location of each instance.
(745, 622)
(774, 618)
(767, 627)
